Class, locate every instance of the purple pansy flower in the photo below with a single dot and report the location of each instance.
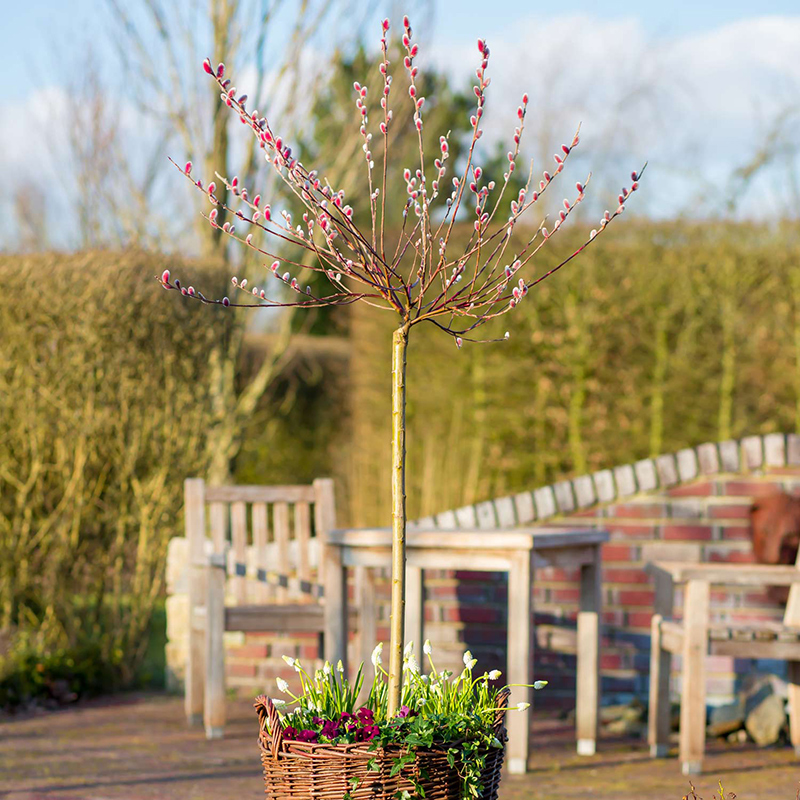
(365, 715)
(330, 729)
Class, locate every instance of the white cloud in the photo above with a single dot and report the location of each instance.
(696, 106)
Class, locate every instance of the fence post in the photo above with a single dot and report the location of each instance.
(324, 511)
(195, 524)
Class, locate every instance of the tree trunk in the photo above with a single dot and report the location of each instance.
(399, 347)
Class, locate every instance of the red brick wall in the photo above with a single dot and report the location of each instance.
(690, 507)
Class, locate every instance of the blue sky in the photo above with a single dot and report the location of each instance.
(32, 30)
(695, 88)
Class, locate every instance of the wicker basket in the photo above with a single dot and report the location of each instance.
(310, 771)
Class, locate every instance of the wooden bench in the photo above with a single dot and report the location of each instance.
(695, 636)
(254, 561)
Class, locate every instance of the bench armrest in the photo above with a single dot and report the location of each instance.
(727, 574)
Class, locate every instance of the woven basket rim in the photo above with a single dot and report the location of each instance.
(362, 748)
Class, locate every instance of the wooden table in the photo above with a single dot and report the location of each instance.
(516, 551)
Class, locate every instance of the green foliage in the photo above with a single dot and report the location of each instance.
(660, 336)
(104, 410)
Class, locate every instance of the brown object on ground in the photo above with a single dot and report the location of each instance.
(766, 721)
(306, 770)
(138, 747)
(775, 521)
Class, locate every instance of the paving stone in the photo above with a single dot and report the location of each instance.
(604, 485)
(708, 458)
(646, 475)
(486, 517)
(687, 464)
(724, 720)
(687, 507)
(564, 497)
(625, 479)
(545, 502)
(526, 512)
(667, 470)
(584, 491)
(729, 455)
(793, 450)
(504, 506)
(671, 551)
(466, 517)
(752, 448)
(765, 722)
(775, 450)
(426, 523)
(446, 521)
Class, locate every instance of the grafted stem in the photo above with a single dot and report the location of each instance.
(399, 347)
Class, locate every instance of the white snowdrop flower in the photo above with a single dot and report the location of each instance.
(420, 702)
(522, 706)
(467, 657)
(327, 669)
(409, 649)
(282, 685)
(426, 648)
(424, 679)
(470, 665)
(376, 655)
(411, 665)
(539, 684)
(278, 703)
(340, 667)
(289, 660)
(494, 674)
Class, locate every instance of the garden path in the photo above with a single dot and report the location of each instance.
(137, 747)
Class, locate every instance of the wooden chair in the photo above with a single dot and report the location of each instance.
(695, 636)
(252, 581)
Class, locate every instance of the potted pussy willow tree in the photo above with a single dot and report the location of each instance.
(414, 731)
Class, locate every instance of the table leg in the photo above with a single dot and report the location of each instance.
(588, 679)
(335, 577)
(414, 609)
(520, 658)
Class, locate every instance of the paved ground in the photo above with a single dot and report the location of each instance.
(138, 747)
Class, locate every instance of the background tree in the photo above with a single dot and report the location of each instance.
(274, 42)
(457, 290)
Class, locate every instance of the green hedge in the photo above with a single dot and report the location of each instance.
(103, 412)
(658, 337)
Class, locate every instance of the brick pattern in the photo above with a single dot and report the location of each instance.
(693, 505)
